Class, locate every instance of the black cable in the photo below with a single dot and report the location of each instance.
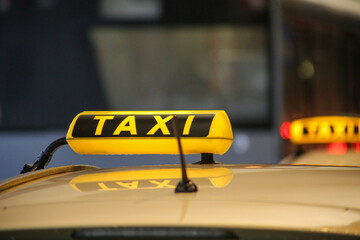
(45, 156)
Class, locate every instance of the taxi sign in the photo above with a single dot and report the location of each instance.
(325, 129)
(149, 132)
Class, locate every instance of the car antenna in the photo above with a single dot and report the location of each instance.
(185, 185)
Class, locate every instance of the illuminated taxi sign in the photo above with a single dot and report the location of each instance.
(149, 132)
(149, 179)
(325, 129)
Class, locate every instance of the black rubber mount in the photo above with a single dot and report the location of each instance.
(207, 158)
(186, 187)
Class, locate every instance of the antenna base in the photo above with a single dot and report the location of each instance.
(186, 187)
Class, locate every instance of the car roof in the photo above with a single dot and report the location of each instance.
(304, 198)
(322, 157)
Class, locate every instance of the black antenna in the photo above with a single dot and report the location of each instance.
(185, 185)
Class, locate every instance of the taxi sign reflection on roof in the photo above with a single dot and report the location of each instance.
(148, 179)
(149, 132)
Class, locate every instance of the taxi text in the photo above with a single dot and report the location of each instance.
(129, 125)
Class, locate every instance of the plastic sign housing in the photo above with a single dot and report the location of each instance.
(149, 132)
(325, 129)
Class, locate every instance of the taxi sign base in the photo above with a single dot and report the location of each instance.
(207, 158)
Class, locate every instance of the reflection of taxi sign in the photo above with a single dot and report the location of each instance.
(325, 129)
(149, 132)
(149, 179)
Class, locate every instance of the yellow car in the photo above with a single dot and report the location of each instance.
(203, 200)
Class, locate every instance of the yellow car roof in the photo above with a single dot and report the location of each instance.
(322, 157)
(294, 198)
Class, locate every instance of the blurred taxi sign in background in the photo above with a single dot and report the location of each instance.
(323, 140)
(325, 129)
(149, 132)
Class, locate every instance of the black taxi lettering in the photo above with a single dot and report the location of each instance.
(101, 123)
(332, 130)
(128, 124)
(194, 125)
(160, 124)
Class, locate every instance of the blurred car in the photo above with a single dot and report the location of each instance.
(203, 200)
(324, 140)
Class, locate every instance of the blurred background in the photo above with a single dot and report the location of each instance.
(263, 61)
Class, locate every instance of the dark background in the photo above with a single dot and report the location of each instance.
(49, 71)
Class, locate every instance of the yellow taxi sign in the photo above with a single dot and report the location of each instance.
(149, 132)
(325, 129)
